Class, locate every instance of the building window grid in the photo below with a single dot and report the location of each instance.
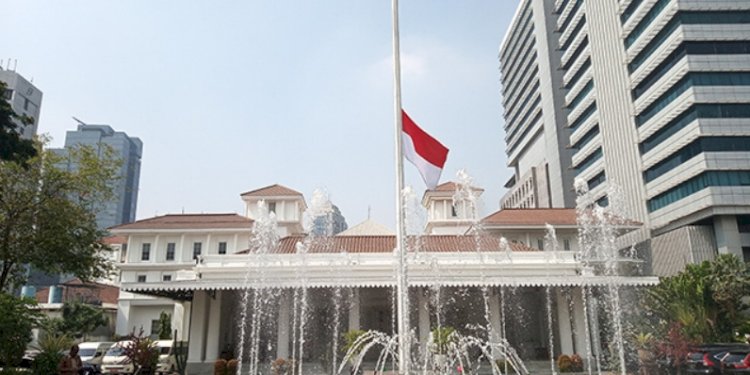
(581, 71)
(690, 80)
(585, 115)
(687, 18)
(698, 146)
(630, 10)
(590, 135)
(573, 34)
(581, 95)
(571, 16)
(589, 160)
(698, 183)
(643, 24)
(579, 50)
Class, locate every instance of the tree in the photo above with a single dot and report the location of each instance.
(704, 302)
(12, 147)
(17, 318)
(77, 320)
(165, 326)
(47, 214)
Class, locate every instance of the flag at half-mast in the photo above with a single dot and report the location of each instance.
(424, 151)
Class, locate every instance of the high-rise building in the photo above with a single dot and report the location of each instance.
(24, 98)
(656, 97)
(534, 116)
(121, 209)
(331, 224)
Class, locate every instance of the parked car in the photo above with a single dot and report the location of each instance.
(92, 354)
(115, 361)
(166, 362)
(736, 361)
(706, 359)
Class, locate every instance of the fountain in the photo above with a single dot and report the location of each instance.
(489, 305)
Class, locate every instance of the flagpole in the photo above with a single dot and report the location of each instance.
(402, 288)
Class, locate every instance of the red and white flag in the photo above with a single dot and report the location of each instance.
(425, 152)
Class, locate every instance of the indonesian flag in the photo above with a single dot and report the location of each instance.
(425, 152)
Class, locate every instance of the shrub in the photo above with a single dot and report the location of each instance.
(442, 337)
(50, 354)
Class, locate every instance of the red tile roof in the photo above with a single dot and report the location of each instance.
(190, 221)
(275, 190)
(532, 216)
(386, 244)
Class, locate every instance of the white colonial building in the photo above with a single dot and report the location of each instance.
(209, 274)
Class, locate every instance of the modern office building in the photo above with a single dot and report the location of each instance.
(534, 116)
(24, 98)
(657, 102)
(121, 209)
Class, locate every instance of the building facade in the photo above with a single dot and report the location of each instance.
(536, 136)
(655, 97)
(25, 99)
(122, 208)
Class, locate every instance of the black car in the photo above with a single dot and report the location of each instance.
(707, 359)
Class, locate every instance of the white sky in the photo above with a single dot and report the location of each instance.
(229, 96)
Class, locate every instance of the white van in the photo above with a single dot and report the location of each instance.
(115, 361)
(92, 353)
(166, 362)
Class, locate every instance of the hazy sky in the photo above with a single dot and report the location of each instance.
(230, 96)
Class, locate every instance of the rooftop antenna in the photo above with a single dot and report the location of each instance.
(369, 211)
(78, 121)
(15, 65)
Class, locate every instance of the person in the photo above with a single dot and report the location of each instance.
(71, 363)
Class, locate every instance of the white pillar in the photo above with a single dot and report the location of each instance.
(282, 331)
(496, 322)
(354, 310)
(727, 234)
(579, 322)
(565, 331)
(213, 329)
(198, 324)
(423, 306)
(178, 319)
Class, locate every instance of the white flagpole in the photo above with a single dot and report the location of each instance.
(402, 289)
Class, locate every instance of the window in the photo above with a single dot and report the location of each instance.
(698, 183)
(170, 251)
(743, 223)
(584, 116)
(141, 278)
(155, 327)
(646, 21)
(166, 277)
(453, 211)
(197, 249)
(593, 132)
(566, 244)
(597, 180)
(272, 207)
(700, 145)
(540, 243)
(581, 95)
(222, 248)
(8, 94)
(589, 160)
(146, 251)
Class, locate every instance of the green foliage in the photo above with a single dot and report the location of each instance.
(47, 214)
(442, 337)
(50, 353)
(12, 147)
(141, 352)
(351, 338)
(77, 320)
(703, 303)
(17, 318)
(165, 326)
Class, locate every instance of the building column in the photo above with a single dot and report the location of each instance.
(496, 322)
(198, 325)
(579, 321)
(213, 328)
(354, 313)
(565, 331)
(178, 321)
(282, 330)
(423, 316)
(727, 234)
